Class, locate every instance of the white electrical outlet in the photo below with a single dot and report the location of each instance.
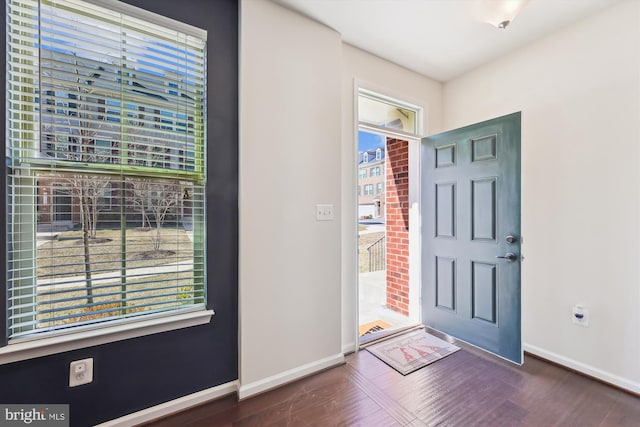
(580, 315)
(324, 212)
(80, 372)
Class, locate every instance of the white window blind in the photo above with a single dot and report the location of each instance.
(106, 166)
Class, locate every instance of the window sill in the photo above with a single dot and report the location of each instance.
(46, 346)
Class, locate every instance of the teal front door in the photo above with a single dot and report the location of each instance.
(471, 234)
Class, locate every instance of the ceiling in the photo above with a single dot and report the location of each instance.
(441, 39)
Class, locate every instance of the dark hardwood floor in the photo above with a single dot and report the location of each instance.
(467, 388)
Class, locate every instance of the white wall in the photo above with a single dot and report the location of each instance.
(579, 93)
(374, 73)
(290, 151)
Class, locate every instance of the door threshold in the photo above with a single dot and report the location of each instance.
(375, 337)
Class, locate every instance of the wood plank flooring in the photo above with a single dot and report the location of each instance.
(467, 388)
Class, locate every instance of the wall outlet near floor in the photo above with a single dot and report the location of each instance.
(80, 372)
(580, 315)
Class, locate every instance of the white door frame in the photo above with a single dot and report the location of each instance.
(414, 185)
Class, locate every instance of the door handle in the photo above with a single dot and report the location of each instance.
(509, 256)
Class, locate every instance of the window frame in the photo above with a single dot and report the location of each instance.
(115, 330)
(367, 91)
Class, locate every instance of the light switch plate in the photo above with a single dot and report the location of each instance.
(324, 212)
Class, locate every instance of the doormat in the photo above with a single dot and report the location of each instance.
(412, 351)
(371, 327)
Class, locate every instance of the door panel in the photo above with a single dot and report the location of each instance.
(445, 283)
(471, 199)
(445, 210)
(483, 288)
(483, 209)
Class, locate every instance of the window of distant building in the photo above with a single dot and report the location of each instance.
(379, 187)
(368, 189)
(378, 154)
(362, 173)
(374, 171)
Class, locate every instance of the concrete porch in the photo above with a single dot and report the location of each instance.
(372, 300)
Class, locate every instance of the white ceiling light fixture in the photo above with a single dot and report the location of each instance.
(499, 13)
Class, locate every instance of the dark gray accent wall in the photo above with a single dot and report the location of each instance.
(138, 373)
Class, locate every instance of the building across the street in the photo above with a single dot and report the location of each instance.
(371, 176)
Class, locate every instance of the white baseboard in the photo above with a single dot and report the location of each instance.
(607, 377)
(200, 397)
(173, 406)
(274, 381)
(349, 347)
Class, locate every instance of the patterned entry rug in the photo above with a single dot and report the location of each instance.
(409, 352)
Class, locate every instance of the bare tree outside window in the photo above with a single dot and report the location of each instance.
(160, 198)
(138, 191)
(84, 120)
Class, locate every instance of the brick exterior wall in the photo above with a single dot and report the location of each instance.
(397, 225)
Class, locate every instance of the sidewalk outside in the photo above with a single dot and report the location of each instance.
(372, 300)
